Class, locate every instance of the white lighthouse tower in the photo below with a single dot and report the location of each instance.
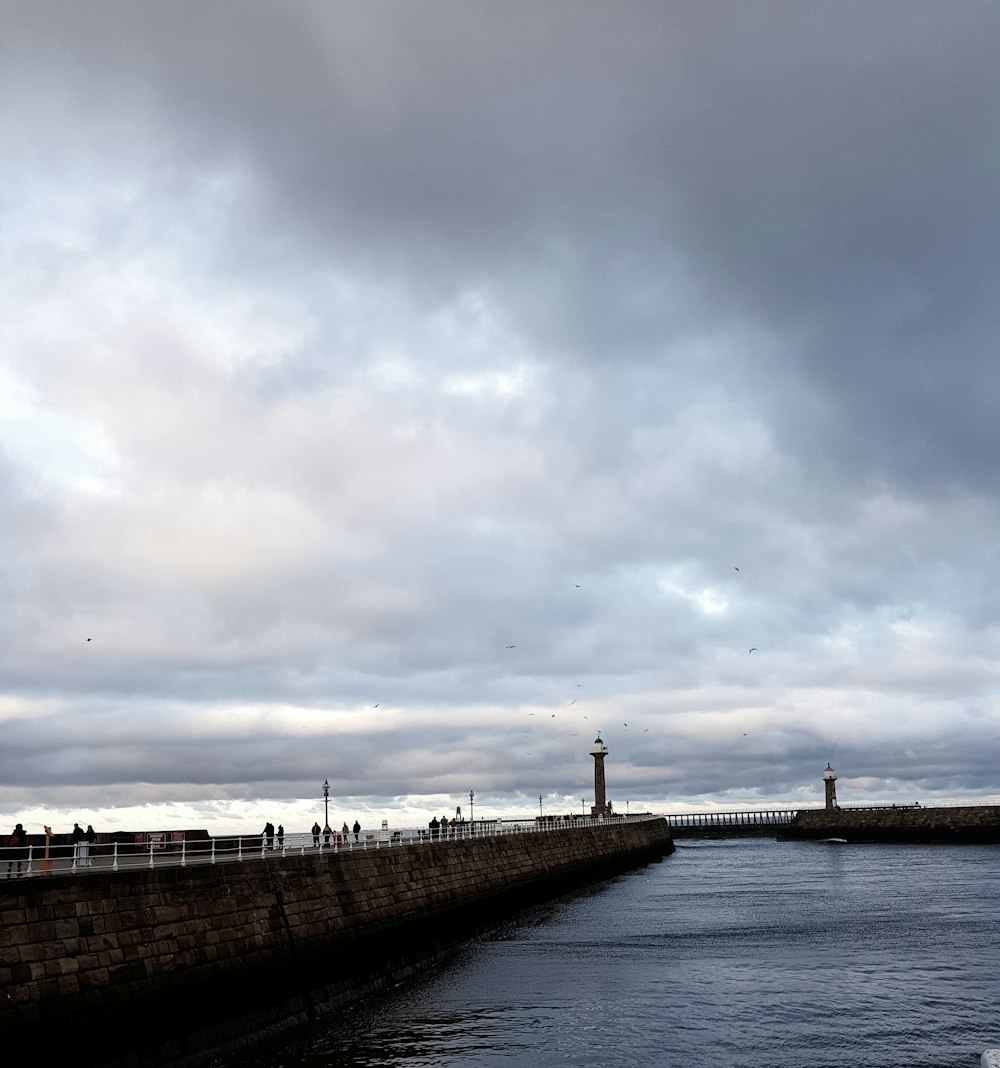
(599, 751)
(830, 785)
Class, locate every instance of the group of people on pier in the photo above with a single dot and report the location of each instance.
(331, 837)
(445, 828)
(80, 843)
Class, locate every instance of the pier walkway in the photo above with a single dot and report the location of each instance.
(180, 849)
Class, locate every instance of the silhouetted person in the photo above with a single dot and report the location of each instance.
(435, 826)
(316, 834)
(17, 851)
(269, 834)
(357, 831)
(79, 840)
(281, 836)
(326, 836)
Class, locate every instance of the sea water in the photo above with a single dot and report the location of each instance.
(743, 953)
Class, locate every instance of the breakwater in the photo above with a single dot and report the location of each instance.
(967, 824)
(160, 966)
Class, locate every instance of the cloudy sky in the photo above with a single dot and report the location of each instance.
(399, 393)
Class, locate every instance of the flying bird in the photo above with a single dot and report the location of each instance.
(755, 650)
(573, 702)
(736, 569)
(510, 646)
(90, 639)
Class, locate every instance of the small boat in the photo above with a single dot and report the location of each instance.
(832, 841)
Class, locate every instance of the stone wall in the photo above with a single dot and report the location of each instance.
(164, 964)
(967, 824)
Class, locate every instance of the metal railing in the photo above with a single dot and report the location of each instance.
(36, 860)
(751, 817)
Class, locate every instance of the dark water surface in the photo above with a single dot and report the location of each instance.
(743, 953)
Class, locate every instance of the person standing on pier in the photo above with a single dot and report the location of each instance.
(326, 836)
(269, 835)
(315, 834)
(281, 836)
(79, 840)
(89, 837)
(17, 851)
(357, 831)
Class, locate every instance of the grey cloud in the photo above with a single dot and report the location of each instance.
(747, 255)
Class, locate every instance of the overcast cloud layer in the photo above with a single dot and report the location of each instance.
(400, 393)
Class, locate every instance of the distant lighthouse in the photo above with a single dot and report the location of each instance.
(599, 752)
(830, 785)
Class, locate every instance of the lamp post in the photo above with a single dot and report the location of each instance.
(540, 806)
(326, 803)
(472, 811)
(583, 804)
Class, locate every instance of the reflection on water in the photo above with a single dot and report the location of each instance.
(741, 952)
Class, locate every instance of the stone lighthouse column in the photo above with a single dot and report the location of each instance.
(830, 785)
(599, 752)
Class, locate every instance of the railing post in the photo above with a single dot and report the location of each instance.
(114, 857)
(239, 848)
(213, 851)
(151, 854)
(183, 852)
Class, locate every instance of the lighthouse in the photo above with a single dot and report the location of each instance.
(830, 785)
(599, 752)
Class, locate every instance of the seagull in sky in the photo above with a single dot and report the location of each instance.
(90, 639)
(510, 646)
(736, 569)
(573, 702)
(755, 650)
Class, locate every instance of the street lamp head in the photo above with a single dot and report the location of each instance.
(326, 787)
